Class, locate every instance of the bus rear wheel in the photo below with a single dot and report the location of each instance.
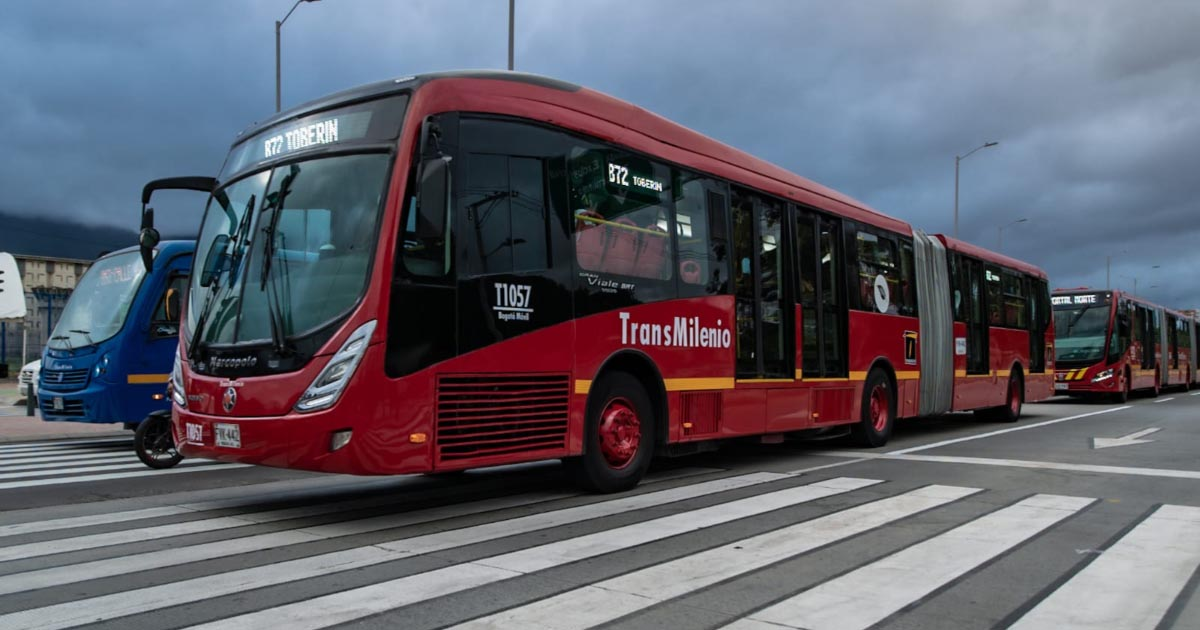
(878, 415)
(618, 440)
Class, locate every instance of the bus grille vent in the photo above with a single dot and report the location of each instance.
(64, 380)
(494, 416)
(701, 412)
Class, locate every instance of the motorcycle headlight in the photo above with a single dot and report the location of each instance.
(327, 387)
(175, 383)
(1103, 376)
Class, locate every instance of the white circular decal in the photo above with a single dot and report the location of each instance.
(882, 294)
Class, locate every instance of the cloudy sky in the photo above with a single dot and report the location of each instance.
(1095, 104)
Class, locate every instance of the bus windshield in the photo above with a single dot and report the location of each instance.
(290, 248)
(1080, 333)
(99, 305)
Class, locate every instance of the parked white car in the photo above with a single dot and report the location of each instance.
(28, 379)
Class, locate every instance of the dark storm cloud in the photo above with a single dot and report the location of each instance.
(1094, 104)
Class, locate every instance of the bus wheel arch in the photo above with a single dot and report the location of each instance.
(641, 367)
(626, 398)
(878, 408)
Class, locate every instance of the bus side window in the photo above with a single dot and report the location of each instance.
(702, 236)
(994, 292)
(505, 204)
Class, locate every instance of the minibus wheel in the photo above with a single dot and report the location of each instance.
(154, 443)
(618, 440)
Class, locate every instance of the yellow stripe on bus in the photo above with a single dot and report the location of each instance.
(147, 379)
(691, 384)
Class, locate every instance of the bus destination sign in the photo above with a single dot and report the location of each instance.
(1080, 299)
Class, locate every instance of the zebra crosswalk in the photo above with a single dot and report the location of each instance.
(42, 464)
(553, 559)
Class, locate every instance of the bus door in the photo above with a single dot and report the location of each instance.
(823, 319)
(1039, 320)
(976, 312)
(158, 338)
(765, 332)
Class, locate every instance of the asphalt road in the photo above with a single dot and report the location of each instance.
(956, 524)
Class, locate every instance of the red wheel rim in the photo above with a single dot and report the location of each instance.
(1014, 398)
(620, 433)
(880, 408)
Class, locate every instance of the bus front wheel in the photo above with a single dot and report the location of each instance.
(878, 415)
(618, 440)
(154, 443)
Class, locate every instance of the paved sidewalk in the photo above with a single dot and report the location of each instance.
(15, 426)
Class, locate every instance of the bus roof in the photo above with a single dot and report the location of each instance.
(652, 133)
(988, 255)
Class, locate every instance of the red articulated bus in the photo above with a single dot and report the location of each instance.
(478, 268)
(1113, 343)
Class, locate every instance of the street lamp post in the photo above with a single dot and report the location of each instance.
(512, 10)
(279, 25)
(957, 160)
(1000, 233)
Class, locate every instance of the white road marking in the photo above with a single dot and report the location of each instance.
(61, 443)
(1163, 400)
(64, 452)
(1194, 394)
(136, 601)
(33, 483)
(175, 556)
(1133, 583)
(71, 522)
(1124, 440)
(1021, 463)
(345, 606)
(606, 601)
(87, 469)
(870, 594)
(62, 460)
(1023, 427)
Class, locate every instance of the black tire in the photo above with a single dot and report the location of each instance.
(154, 443)
(618, 464)
(876, 422)
(1122, 396)
(1014, 400)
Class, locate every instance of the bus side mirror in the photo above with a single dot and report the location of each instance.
(433, 198)
(148, 238)
(213, 260)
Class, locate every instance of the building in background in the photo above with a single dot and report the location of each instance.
(48, 282)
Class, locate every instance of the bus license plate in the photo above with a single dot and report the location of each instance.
(228, 435)
(58, 403)
(1061, 386)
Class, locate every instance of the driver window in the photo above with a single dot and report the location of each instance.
(171, 301)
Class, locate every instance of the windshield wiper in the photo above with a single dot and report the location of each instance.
(85, 334)
(65, 339)
(279, 339)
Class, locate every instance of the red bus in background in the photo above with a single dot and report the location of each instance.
(478, 268)
(1111, 342)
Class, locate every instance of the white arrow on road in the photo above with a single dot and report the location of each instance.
(1132, 438)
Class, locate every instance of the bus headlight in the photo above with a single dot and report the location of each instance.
(1103, 376)
(101, 366)
(327, 387)
(175, 383)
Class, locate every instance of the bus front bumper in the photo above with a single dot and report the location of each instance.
(312, 441)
